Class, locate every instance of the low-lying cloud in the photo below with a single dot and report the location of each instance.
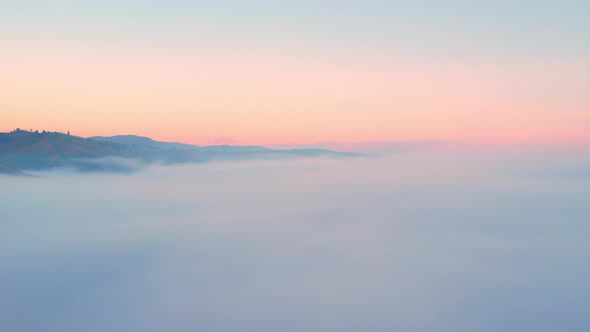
(429, 241)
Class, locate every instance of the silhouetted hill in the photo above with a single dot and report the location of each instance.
(34, 150)
(51, 144)
(172, 153)
(143, 142)
(27, 150)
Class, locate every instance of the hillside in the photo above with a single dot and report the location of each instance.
(142, 142)
(28, 150)
(9, 170)
(41, 150)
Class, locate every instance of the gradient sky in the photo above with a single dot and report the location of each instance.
(264, 72)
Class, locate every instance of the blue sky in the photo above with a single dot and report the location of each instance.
(472, 30)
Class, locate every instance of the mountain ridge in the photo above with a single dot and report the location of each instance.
(36, 151)
(142, 141)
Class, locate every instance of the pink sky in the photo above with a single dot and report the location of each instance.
(273, 98)
(256, 72)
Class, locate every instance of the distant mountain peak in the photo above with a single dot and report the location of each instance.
(142, 141)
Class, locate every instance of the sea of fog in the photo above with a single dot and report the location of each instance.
(450, 240)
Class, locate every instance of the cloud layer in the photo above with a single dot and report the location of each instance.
(429, 241)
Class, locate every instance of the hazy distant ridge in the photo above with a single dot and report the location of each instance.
(28, 150)
(142, 142)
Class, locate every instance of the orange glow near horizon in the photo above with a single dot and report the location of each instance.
(256, 99)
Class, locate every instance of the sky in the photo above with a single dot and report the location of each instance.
(299, 72)
(445, 241)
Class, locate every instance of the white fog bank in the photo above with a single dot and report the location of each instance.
(429, 241)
